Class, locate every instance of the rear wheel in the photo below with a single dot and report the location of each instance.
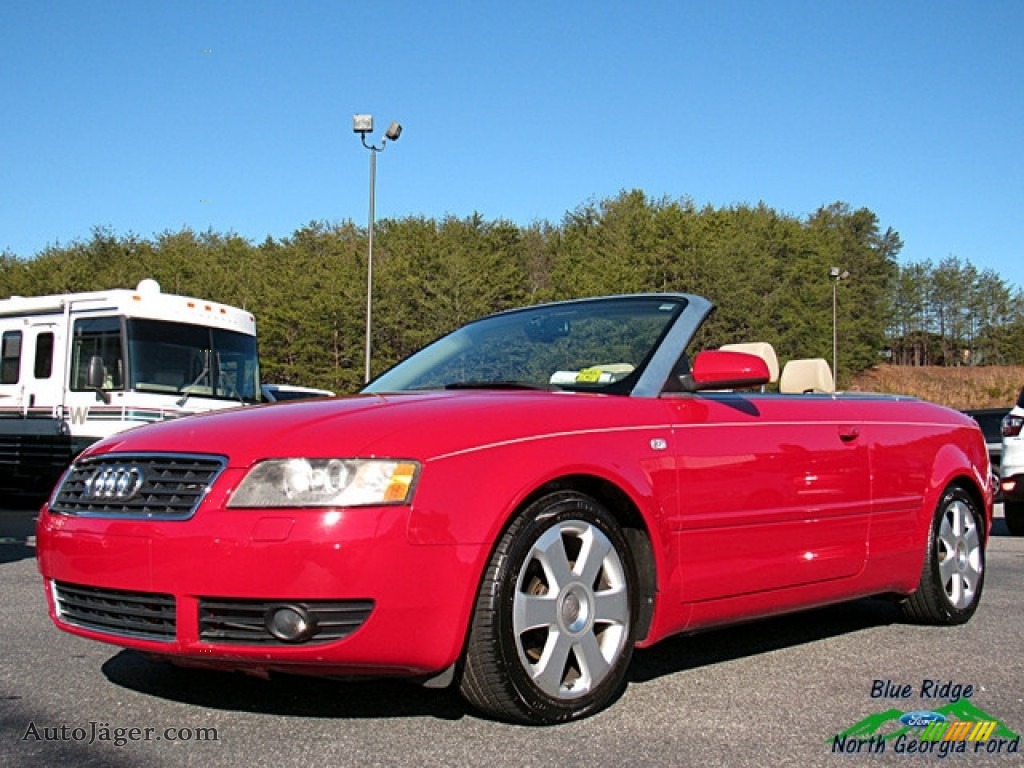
(1013, 511)
(954, 568)
(552, 632)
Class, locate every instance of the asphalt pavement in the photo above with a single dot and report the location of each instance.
(775, 692)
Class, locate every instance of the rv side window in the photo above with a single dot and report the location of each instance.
(10, 357)
(44, 356)
(97, 337)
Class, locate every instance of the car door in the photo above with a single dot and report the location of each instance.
(774, 492)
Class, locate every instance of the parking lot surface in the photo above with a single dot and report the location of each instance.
(819, 688)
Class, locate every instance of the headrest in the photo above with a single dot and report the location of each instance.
(810, 375)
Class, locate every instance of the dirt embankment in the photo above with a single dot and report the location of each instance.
(961, 388)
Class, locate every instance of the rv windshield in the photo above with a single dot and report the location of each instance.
(192, 360)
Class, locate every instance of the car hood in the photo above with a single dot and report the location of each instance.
(414, 425)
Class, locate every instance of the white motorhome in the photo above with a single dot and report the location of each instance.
(78, 367)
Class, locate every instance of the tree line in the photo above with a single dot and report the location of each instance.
(769, 273)
(950, 313)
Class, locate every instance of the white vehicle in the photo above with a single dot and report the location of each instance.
(1011, 469)
(275, 393)
(78, 367)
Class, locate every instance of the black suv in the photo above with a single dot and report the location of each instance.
(991, 422)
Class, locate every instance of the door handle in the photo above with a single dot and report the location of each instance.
(849, 433)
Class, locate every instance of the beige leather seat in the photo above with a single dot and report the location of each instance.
(809, 375)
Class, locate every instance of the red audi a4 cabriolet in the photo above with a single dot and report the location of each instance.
(515, 507)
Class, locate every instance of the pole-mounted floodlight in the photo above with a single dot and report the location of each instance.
(363, 124)
(836, 276)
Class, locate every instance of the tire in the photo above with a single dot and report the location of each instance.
(953, 574)
(1013, 512)
(553, 628)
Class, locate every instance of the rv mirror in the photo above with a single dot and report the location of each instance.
(95, 377)
(96, 373)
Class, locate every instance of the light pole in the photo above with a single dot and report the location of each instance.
(363, 124)
(836, 276)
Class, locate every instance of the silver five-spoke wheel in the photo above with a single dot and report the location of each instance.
(553, 627)
(954, 568)
(960, 554)
(570, 614)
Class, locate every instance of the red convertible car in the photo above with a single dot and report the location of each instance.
(514, 508)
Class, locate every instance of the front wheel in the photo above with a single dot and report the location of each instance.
(1013, 512)
(552, 631)
(954, 568)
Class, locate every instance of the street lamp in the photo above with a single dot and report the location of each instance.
(363, 124)
(836, 276)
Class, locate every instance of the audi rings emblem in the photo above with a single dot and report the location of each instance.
(121, 482)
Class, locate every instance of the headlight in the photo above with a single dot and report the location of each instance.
(326, 483)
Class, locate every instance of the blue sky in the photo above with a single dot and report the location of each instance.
(152, 116)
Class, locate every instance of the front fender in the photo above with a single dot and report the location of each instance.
(469, 497)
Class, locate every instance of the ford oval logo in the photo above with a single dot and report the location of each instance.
(121, 482)
(921, 718)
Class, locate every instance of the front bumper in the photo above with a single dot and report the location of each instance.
(197, 591)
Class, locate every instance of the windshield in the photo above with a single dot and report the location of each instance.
(600, 344)
(192, 360)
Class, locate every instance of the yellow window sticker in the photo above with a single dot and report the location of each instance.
(589, 375)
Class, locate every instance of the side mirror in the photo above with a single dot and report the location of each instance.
(95, 375)
(721, 369)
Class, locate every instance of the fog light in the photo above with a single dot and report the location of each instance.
(290, 623)
(1009, 485)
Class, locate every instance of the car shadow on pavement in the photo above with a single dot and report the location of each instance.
(17, 535)
(999, 527)
(685, 652)
(11, 552)
(327, 698)
(356, 699)
(289, 695)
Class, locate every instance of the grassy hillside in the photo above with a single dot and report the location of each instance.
(961, 388)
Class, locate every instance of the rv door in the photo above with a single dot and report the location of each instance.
(41, 367)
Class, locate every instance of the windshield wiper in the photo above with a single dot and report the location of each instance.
(186, 391)
(495, 385)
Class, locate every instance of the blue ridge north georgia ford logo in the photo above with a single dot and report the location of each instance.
(121, 482)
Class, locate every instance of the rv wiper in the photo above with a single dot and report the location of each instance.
(186, 391)
(221, 378)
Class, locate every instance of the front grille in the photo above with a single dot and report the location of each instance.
(163, 487)
(242, 622)
(130, 614)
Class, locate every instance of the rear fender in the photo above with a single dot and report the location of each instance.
(953, 465)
